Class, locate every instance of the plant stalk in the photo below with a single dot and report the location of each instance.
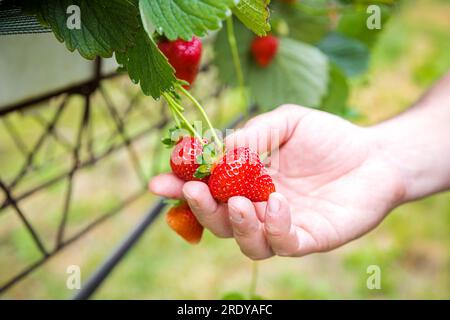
(203, 114)
(178, 115)
(236, 61)
(254, 280)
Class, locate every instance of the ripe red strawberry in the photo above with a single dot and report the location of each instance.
(184, 56)
(183, 160)
(264, 49)
(240, 173)
(181, 219)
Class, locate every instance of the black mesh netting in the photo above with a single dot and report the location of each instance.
(14, 21)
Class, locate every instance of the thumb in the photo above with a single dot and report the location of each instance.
(268, 131)
(285, 238)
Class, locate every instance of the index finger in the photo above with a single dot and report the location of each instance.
(268, 131)
(210, 214)
(167, 185)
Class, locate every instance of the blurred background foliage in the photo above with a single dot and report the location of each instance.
(412, 246)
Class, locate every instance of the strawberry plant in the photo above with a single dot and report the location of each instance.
(314, 45)
(300, 52)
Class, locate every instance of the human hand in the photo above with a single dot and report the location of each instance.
(332, 186)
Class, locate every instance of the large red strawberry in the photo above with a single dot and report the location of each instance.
(264, 49)
(181, 219)
(184, 158)
(184, 56)
(240, 173)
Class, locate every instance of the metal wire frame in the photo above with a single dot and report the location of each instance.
(105, 269)
(83, 138)
(14, 21)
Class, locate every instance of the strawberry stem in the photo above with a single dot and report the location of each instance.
(190, 127)
(175, 117)
(254, 281)
(203, 114)
(178, 115)
(236, 61)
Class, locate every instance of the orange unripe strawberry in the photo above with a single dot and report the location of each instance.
(181, 219)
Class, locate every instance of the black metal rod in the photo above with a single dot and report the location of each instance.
(82, 165)
(93, 224)
(74, 89)
(105, 269)
(35, 236)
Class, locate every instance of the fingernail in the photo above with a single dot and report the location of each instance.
(274, 205)
(235, 215)
(192, 202)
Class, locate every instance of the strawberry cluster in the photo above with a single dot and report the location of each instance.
(228, 173)
(238, 172)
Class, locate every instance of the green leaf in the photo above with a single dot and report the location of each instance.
(351, 55)
(202, 171)
(254, 14)
(185, 18)
(148, 66)
(234, 295)
(172, 137)
(338, 90)
(223, 55)
(298, 74)
(100, 33)
(304, 23)
(353, 24)
(199, 159)
(167, 142)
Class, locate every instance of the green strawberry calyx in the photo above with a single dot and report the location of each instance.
(207, 160)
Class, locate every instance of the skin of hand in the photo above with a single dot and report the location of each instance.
(333, 185)
(335, 181)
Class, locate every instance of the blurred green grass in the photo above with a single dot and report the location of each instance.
(411, 246)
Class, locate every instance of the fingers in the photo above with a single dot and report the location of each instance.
(280, 233)
(208, 212)
(268, 131)
(259, 236)
(284, 238)
(166, 185)
(248, 231)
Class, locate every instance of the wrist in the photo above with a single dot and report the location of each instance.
(386, 149)
(416, 145)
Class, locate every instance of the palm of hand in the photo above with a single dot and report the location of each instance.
(333, 180)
